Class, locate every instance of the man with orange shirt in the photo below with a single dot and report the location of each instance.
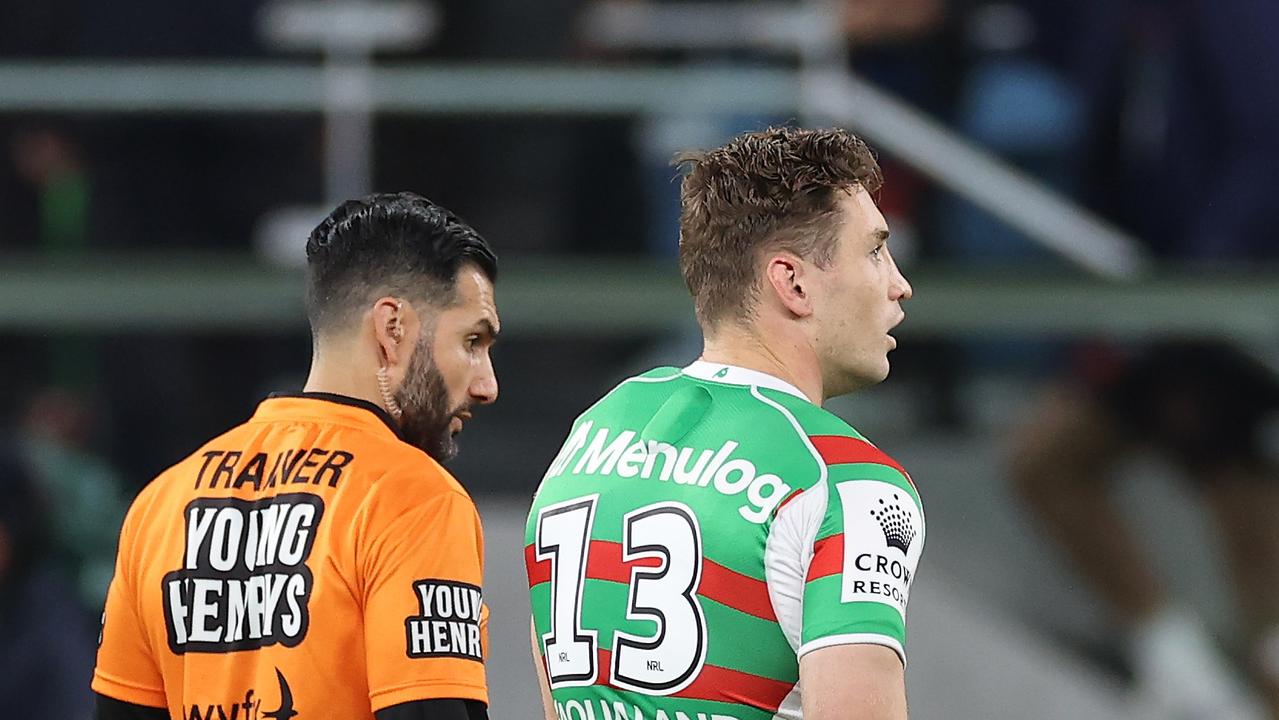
(318, 561)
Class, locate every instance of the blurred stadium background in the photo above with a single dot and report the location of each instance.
(1066, 179)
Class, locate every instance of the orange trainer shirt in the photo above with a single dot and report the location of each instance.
(306, 562)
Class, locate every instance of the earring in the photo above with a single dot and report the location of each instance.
(384, 385)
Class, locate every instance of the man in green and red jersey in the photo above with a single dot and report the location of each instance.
(709, 542)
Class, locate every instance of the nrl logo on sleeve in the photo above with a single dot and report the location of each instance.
(448, 621)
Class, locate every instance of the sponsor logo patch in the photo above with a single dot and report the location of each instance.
(883, 539)
(625, 455)
(448, 621)
(897, 524)
(250, 708)
(244, 583)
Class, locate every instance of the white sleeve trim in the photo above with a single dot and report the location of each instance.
(853, 639)
(788, 552)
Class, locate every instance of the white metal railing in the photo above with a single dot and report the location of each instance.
(829, 93)
(438, 89)
(769, 26)
(202, 293)
(985, 180)
(1027, 205)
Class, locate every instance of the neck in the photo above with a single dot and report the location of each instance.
(343, 370)
(777, 354)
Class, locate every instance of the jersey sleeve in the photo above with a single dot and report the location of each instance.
(126, 669)
(864, 552)
(424, 615)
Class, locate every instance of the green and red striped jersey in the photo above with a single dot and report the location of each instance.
(700, 530)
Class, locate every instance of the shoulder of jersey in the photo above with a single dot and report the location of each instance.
(653, 378)
(834, 440)
(664, 371)
(383, 461)
(813, 419)
(407, 466)
(636, 382)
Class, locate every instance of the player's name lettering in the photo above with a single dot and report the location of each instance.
(883, 565)
(594, 709)
(626, 456)
(218, 615)
(233, 469)
(448, 620)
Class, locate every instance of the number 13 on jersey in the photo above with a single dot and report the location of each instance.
(665, 594)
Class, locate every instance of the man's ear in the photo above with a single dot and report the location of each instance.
(784, 277)
(389, 329)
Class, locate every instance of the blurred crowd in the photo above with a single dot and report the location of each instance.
(61, 506)
(1158, 114)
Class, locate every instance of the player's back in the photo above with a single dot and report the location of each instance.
(661, 580)
(299, 563)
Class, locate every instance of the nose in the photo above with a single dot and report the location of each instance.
(900, 288)
(483, 388)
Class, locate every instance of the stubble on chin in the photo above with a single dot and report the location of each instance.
(426, 413)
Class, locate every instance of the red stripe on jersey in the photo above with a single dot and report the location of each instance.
(605, 562)
(794, 494)
(719, 583)
(837, 449)
(725, 586)
(538, 571)
(733, 686)
(828, 557)
(738, 591)
(719, 684)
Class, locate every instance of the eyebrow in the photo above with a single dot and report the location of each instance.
(881, 235)
(486, 326)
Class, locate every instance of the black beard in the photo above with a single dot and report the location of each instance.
(424, 402)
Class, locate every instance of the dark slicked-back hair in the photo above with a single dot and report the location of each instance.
(763, 191)
(387, 244)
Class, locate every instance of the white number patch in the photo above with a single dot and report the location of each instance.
(661, 664)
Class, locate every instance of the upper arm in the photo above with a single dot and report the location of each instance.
(863, 559)
(866, 682)
(126, 668)
(424, 617)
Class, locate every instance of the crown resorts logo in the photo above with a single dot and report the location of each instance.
(898, 529)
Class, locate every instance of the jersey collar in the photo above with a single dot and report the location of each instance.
(361, 412)
(735, 375)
